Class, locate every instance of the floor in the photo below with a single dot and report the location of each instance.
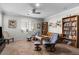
(24, 47)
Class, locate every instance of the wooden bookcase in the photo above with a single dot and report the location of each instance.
(70, 30)
(44, 28)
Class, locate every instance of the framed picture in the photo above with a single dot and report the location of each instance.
(12, 24)
(38, 25)
(52, 25)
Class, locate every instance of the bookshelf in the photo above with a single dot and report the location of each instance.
(70, 30)
(44, 28)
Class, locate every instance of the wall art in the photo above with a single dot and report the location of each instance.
(12, 24)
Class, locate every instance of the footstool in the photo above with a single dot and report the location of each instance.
(37, 45)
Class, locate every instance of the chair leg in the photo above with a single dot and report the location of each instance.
(37, 48)
(52, 49)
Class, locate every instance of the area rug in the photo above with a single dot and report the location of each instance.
(24, 47)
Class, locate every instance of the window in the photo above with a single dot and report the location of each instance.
(29, 26)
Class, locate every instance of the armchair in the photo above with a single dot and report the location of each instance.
(8, 37)
(35, 34)
(50, 43)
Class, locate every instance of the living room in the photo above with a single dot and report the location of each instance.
(25, 26)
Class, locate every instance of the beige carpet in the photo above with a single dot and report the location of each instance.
(24, 47)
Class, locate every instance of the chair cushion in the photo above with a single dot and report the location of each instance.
(54, 38)
(37, 42)
(7, 35)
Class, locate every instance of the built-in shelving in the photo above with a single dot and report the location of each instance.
(70, 29)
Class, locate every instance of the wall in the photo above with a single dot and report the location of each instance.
(17, 32)
(0, 19)
(59, 16)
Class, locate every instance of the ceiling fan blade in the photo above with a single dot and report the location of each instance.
(37, 12)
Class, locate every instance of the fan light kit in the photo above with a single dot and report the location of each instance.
(34, 9)
(37, 4)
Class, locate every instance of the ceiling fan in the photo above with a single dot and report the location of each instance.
(34, 9)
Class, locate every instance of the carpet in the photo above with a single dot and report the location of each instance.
(23, 47)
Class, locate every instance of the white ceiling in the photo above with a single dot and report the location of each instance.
(46, 9)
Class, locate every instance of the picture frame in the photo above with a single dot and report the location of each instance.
(12, 24)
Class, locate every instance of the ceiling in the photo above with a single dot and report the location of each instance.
(46, 9)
